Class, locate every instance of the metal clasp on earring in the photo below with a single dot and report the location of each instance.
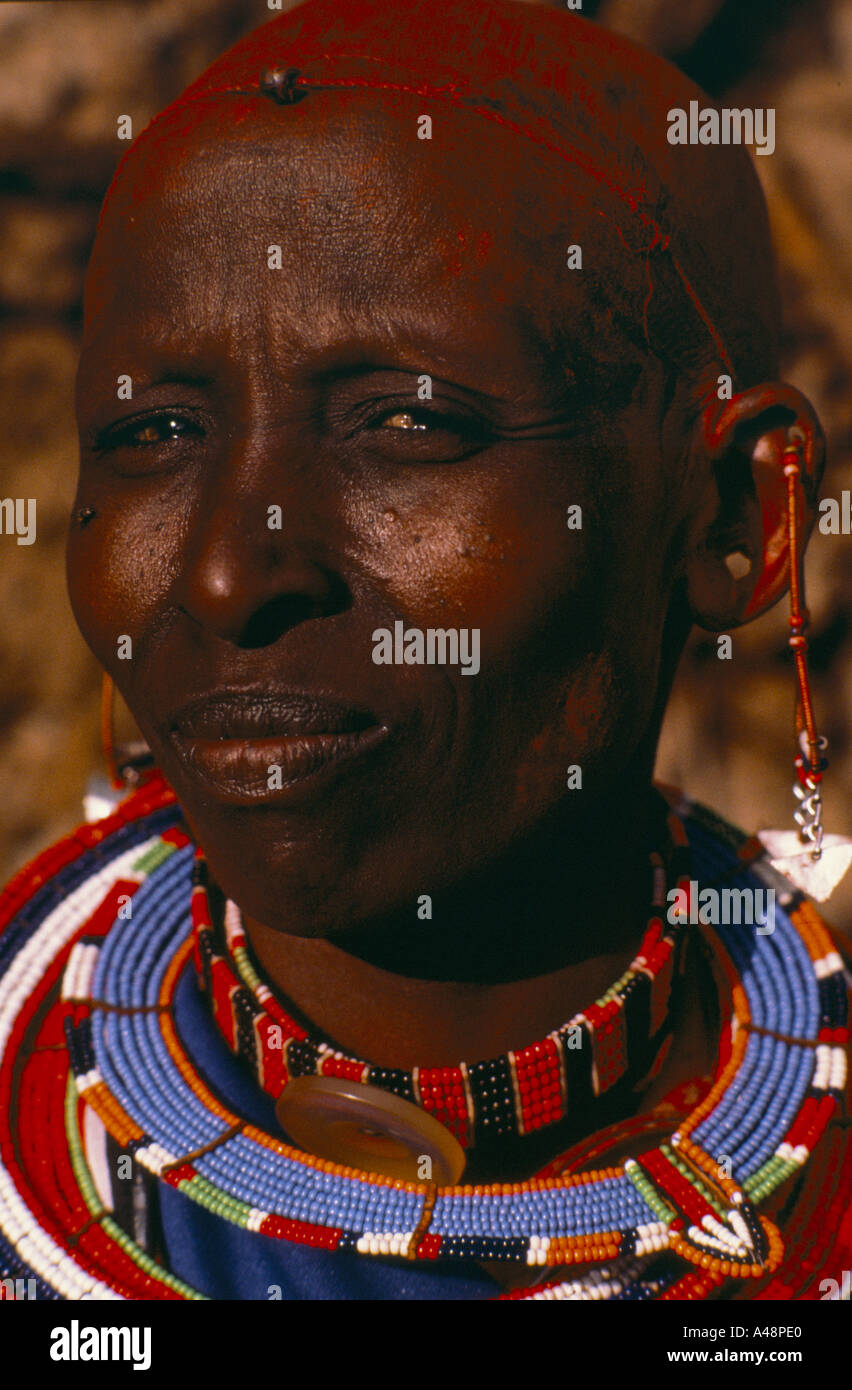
(807, 791)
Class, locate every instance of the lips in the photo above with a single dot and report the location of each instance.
(252, 748)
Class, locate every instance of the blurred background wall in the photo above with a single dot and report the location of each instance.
(69, 68)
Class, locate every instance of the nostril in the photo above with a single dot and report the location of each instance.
(285, 611)
(275, 618)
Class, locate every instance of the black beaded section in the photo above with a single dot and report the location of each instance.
(637, 1293)
(832, 1001)
(18, 1289)
(133, 1145)
(755, 1230)
(302, 1058)
(662, 1272)
(13, 1267)
(206, 952)
(245, 1010)
(79, 1041)
(628, 1242)
(348, 1241)
(484, 1247)
(636, 1006)
(578, 1066)
(393, 1079)
(493, 1099)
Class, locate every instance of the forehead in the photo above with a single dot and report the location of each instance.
(459, 236)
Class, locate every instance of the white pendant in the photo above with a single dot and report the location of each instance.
(818, 878)
(100, 798)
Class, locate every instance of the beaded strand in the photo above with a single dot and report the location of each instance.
(516, 1094)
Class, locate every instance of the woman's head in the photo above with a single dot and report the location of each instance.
(284, 286)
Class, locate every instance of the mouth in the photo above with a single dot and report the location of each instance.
(268, 749)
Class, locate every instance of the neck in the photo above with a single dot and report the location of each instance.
(509, 955)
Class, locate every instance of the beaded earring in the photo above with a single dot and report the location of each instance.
(129, 764)
(815, 862)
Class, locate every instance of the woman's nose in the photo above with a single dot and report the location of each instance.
(251, 570)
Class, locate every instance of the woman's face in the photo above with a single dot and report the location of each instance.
(279, 486)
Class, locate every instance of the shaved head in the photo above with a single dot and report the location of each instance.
(681, 252)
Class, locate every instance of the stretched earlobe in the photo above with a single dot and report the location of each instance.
(755, 428)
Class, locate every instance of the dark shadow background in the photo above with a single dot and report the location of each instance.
(69, 68)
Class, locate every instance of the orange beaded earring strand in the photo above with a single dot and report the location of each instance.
(129, 764)
(815, 862)
(810, 764)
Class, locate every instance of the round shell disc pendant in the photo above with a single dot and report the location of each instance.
(367, 1128)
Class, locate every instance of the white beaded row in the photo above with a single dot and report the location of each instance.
(373, 1243)
(830, 1072)
(155, 1158)
(830, 964)
(706, 1241)
(652, 1237)
(80, 971)
(732, 1241)
(742, 1230)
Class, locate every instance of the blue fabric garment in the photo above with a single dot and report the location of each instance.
(222, 1260)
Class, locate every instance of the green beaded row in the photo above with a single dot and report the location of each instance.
(153, 858)
(201, 1190)
(772, 1174)
(646, 1189)
(245, 968)
(615, 989)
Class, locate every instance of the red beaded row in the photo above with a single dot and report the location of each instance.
(538, 1069)
(442, 1094)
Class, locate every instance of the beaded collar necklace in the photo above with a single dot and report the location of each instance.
(670, 1224)
(623, 1035)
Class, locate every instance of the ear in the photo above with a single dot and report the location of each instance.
(737, 561)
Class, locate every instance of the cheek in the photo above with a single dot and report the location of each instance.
(591, 724)
(573, 731)
(118, 567)
(549, 692)
(468, 554)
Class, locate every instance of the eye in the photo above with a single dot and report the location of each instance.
(402, 420)
(152, 429)
(414, 434)
(148, 443)
(157, 431)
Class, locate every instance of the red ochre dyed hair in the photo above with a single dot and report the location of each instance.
(692, 219)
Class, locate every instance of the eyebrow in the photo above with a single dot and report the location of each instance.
(545, 372)
(383, 347)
